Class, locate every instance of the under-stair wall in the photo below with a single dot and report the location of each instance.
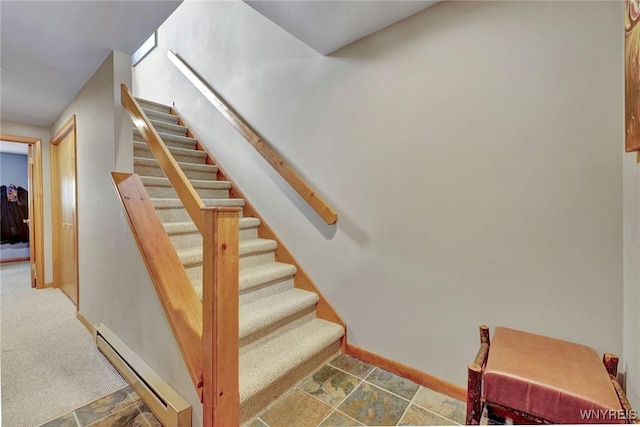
(472, 151)
(115, 288)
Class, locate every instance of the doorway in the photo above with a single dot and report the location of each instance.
(35, 220)
(63, 210)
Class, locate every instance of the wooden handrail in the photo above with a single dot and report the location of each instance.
(175, 291)
(220, 300)
(270, 155)
(187, 194)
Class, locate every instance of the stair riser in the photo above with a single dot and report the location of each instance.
(280, 327)
(249, 295)
(190, 174)
(197, 158)
(249, 408)
(175, 215)
(169, 142)
(246, 261)
(253, 294)
(170, 129)
(154, 107)
(170, 193)
(194, 239)
(153, 115)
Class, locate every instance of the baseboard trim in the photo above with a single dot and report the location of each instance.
(48, 285)
(408, 372)
(165, 403)
(7, 261)
(85, 322)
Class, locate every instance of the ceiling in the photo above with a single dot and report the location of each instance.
(49, 49)
(326, 26)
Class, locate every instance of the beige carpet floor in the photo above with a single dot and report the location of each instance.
(49, 363)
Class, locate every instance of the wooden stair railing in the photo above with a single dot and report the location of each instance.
(287, 172)
(187, 194)
(177, 296)
(207, 332)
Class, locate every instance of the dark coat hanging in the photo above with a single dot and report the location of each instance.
(12, 215)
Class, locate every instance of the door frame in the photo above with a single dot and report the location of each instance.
(68, 127)
(36, 211)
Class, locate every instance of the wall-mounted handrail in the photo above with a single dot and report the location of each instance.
(177, 296)
(270, 155)
(187, 194)
(220, 300)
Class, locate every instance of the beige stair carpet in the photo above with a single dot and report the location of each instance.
(281, 340)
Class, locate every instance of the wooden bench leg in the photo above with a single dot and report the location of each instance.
(610, 362)
(474, 394)
(474, 379)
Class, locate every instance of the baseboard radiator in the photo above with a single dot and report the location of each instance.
(165, 403)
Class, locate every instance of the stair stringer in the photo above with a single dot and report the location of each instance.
(324, 309)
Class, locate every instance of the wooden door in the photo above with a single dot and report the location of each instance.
(63, 198)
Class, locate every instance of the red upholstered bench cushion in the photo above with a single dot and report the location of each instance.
(548, 378)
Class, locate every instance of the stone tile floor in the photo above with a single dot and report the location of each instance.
(349, 392)
(344, 392)
(119, 409)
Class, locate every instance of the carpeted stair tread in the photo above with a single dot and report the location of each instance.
(191, 256)
(266, 311)
(169, 128)
(170, 140)
(160, 116)
(189, 227)
(266, 364)
(262, 274)
(173, 150)
(281, 339)
(144, 161)
(176, 203)
(154, 181)
(152, 105)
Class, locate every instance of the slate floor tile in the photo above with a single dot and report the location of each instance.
(67, 420)
(393, 383)
(298, 409)
(352, 365)
(417, 416)
(373, 406)
(338, 419)
(330, 385)
(106, 406)
(125, 417)
(439, 403)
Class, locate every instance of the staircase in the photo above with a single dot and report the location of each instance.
(281, 339)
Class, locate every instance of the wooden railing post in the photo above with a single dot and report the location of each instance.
(220, 299)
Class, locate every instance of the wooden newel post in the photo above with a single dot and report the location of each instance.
(220, 300)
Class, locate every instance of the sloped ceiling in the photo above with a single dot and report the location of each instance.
(327, 25)
(49, 49)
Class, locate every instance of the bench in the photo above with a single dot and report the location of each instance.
(526, 378)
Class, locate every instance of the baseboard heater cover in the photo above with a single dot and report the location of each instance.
(166, 404)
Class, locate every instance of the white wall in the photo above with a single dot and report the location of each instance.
(631, 351)
(42, 133)
(115, 288)
(472, 151)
